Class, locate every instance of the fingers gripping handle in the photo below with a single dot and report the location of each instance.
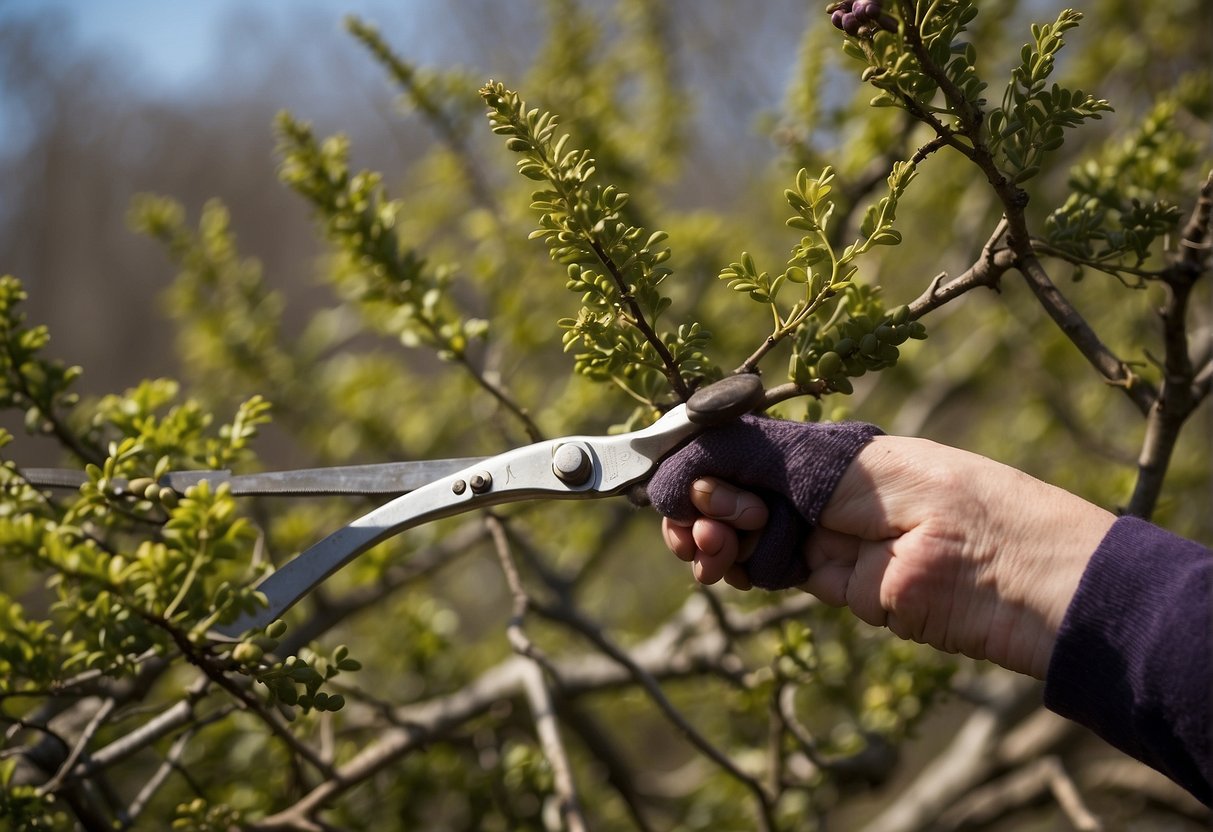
(793, 466)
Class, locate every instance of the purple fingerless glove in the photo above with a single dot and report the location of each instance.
(793, 466)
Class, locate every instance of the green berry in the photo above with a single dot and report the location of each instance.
(829, 365)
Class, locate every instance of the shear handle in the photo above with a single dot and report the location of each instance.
(723, 401)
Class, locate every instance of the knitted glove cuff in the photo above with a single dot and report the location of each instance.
(793, 466)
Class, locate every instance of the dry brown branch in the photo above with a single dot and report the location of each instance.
(1020, 788)
(967, 761)
(535, 686)
(1181, 392)
(1122, 774)
(678, 649)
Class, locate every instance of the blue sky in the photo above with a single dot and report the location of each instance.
(171, 44)
(176, 40)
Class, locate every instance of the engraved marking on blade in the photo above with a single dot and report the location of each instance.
(617, 460)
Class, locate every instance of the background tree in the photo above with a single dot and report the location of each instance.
(552, 667)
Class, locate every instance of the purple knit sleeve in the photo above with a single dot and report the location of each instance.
(1134, 657)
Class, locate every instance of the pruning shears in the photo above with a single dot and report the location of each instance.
(566, 468)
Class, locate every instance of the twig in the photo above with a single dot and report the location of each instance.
(536, 688)
(650, 685)
(99, 717)
(673, 372)
(161, 726)
(153, 784)
(968, 760)
(172, 762)
(1120, 773)
(219, 676)
(986, 271)
(871, 765)
(1018, 789)
(667, 654)
(1114, 370)
(601, 746)
(503, 398)
(1065, 792)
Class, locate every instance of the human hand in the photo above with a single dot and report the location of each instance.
(942, 546)
(793, 466)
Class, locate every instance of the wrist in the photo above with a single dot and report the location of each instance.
(1045, 537)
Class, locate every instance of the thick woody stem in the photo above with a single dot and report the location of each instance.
(1014, 200)
(1182, 389)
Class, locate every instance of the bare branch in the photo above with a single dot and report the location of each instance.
(153, 784)
(1181, 393)
(182, 713)
(1068, 319)
(600, 743)
(1121, 773)
(99, 717)
(871, 765)
(680, 648)
(968, 760)
(503, 397)
(172, 762)
(535, 686)
(987, 272)
(653, 689)
(1017, 790)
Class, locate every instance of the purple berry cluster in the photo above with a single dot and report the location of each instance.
(860, 18)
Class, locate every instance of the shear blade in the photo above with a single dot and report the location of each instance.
(380, 478)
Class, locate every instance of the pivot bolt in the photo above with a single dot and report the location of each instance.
(572, 465)
(480, 482)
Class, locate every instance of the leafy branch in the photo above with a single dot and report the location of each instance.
(391, 283)
(857, 335)
(616, 267)
(1009, 148)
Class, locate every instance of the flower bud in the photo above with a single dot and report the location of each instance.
(247, 652)
(140, 485)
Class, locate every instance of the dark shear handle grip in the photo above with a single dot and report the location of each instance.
(725, 400)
